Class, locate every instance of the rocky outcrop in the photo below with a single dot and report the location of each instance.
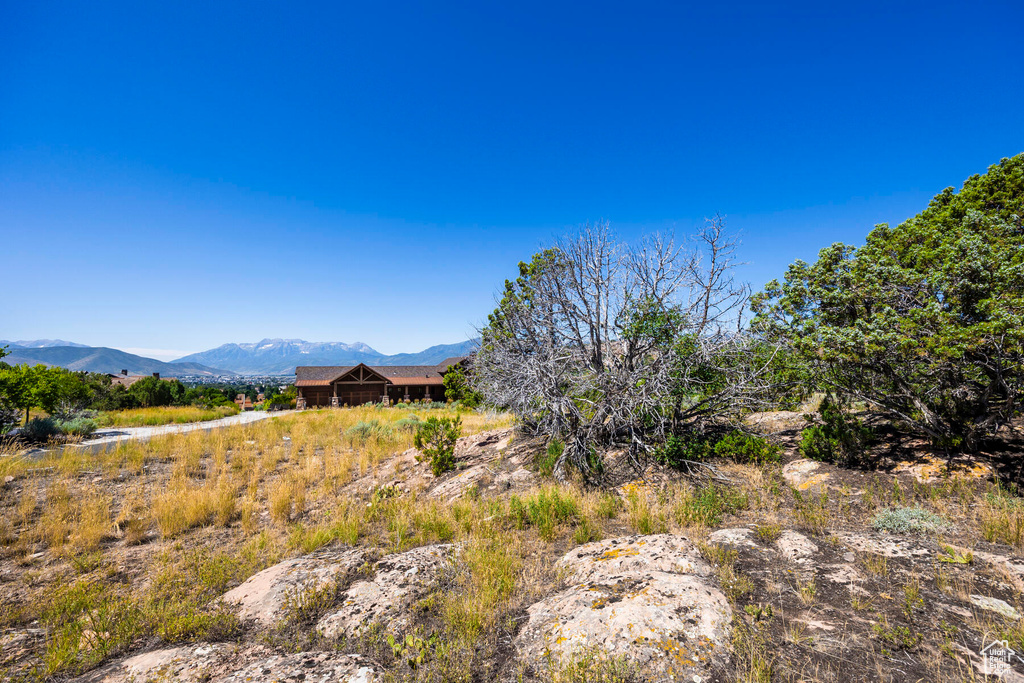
(735, 538)
(264, 596)
(398, 581)
(233, 664)
(495, 461)
(930, 469)
(17, 647)
(804, 475)
(796, 547)
(879, 545)
(648, 598)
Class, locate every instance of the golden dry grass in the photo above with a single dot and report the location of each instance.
(210, 509)
(148, 417)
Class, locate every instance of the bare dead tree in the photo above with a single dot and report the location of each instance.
(605, 344)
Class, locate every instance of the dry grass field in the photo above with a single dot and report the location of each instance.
(149, 417)
(109, 553)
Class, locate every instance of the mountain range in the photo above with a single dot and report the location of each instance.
(280, 356)
(265, 357)
(101, 359)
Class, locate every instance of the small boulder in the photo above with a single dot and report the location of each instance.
(881, 546)
(632, 554)
(803, 475)
(796, 547)
(647, 598)
(399, 581)
(929, 469)
(264, 595)
(739, 537)
(234, 664)
(995, 605)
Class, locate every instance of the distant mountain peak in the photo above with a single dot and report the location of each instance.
(42, 343)
(272, 356)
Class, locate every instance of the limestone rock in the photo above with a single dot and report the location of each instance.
(796, 547)
(881, 546)
(803, 475)
(647, 598)
(233, 664)
(457, 486)
(520, 478)
(930, 469)
(475, 454)
(995, 605)
(264, 595)
(308, 667)
(399, 581)
(197, 662)
(483, 447)
(1011, 568)
(739, 537)
(632, 554)
(17, 647)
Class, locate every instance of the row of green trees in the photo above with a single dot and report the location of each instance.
(601, 343)
(64, 394)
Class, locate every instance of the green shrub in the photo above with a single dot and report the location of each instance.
(747, 448)
(41, 429)
(436, 439)
(680, 447)
(546, 462)
(411, 423)
(706, 505)
(908, 521)
(544, 510)
(369, 429)
(839, 439)
(78, 426)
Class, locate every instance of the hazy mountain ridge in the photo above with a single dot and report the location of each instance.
(280, 356)
(41, 343)
(103, 359)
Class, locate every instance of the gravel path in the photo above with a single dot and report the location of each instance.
(111, 435)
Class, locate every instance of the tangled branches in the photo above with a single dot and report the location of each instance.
(607, 344)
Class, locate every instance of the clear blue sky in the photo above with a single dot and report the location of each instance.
(179, 175)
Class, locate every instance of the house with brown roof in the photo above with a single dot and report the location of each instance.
(334, 385)
(126, 380)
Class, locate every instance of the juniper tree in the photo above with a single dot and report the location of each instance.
(603, 343)
(926, 320)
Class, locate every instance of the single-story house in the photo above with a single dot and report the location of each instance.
(339, 385)
(126, 380)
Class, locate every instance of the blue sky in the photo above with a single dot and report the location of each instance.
(174, 176)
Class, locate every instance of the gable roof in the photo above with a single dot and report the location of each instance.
(319, 375)
(405, 375)
(395, 371)
(448, 362)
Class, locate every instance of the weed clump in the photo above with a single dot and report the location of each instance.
(544, 510)
(908, 521)
(368, 430)
(546, 461)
